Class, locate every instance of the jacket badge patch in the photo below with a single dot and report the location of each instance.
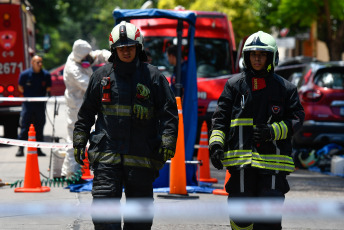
(142, 92)
(275, 109)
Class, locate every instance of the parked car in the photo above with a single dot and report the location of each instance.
(58, 87)
(289, 66)
(321, 91)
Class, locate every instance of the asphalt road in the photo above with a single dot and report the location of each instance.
(197, 214)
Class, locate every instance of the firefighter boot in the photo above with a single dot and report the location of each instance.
(20, 152)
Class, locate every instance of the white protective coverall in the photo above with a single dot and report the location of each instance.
(76, 79)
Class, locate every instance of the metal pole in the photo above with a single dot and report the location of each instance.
(179, 58)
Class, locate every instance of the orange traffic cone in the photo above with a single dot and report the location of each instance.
(203, 156)
(32, 181)
(223, 191)
(86, 173)
(177, 167)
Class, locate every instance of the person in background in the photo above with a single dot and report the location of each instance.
(76, 75)
(33, 82)
(172, 59)
(257, 114)
(135, 130)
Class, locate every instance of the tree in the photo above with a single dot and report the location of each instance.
(327, 14)
(68, 20)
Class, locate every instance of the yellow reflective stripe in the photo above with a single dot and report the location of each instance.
(277, 131)
(145, 162)
(237, 157)
(242, 122)
(273, 162)
(238, 153)
(284, 129)
(119, 110)
(217, 135)
(272, 157)
(106, 158)
(236, 227)
(216, 132)
(218, 139)
(237, 161)
(273, 166)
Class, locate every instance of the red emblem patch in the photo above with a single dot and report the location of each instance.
(8, 39)
(137, 34)
(110, 38)
(275, 109)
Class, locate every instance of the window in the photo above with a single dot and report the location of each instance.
(330, 79)
(212, 55)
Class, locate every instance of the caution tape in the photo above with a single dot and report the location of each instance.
(35, 144)
(33, 99)
(196, 211)
(51, 145)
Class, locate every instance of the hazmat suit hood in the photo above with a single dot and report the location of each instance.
(80, 49)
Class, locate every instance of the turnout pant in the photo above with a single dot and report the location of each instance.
(251, 183)
(108, 183)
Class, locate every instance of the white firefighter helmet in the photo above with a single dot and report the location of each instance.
(125, 34)
(263, 42)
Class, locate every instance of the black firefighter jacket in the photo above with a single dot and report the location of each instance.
(119, 136)
(240, 107)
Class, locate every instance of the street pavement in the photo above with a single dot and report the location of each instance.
(64, 208)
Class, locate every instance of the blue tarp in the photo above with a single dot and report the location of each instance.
(120, 15)
(87, 187)
(190, 113)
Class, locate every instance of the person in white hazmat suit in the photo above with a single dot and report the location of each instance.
(76, 75)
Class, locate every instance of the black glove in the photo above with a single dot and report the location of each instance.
(79, 143)
(167, 147)
(79, 155)
(262, 133)
(166, 153)
(216, 155)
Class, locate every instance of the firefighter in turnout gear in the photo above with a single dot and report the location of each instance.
(136, 127)
(256, 116)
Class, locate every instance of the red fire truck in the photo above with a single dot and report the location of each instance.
(215, 53)
(17, 44)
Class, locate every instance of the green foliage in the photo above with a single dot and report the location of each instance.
(299, 15)
(68, 20)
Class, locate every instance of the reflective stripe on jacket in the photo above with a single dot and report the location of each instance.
(120, 136)
(240, 108)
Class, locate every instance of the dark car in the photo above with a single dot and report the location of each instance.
(321, 92)
(292, 66)
(58, 87)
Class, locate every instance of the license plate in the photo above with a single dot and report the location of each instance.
(341, 111)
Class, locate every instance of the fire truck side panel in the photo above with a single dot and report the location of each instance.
(16, 39)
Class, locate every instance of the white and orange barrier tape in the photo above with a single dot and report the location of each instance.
(33, 99)
(191, 211)
(35, 144)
